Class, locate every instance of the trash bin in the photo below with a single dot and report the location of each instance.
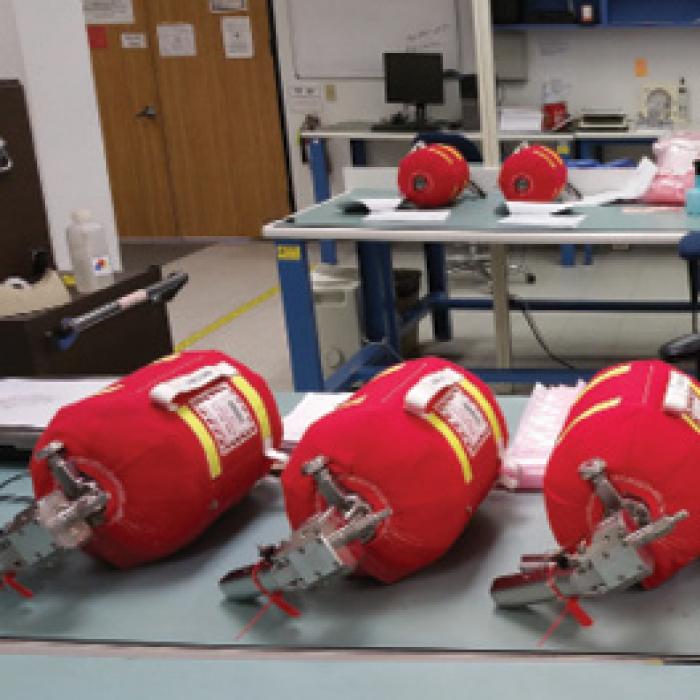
(336, 293)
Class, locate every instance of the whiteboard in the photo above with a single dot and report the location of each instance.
(346, 38)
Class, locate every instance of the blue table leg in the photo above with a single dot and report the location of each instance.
(380, 324)
(389, 297)
(358, 152)
(567, 254)
(436, 269)
(299, 316)
(322, 190)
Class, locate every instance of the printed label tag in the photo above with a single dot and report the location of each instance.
(226, 416)
(462, 414)
(101, 266)
(288, 252)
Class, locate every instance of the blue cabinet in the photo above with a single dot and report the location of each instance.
(623, 13)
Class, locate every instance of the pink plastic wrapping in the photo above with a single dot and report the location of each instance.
(526, 458)
(674, 158)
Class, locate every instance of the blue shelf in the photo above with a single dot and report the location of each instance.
(635, 14)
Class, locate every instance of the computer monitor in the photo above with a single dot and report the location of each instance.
(414, 78)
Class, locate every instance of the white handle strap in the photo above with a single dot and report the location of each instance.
(422, 394)
(680, 399)
(164, 394)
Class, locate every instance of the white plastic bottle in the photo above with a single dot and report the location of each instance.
(89, 252)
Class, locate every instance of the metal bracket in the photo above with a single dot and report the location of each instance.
(616, 557)
(318, 551)
(61, 520)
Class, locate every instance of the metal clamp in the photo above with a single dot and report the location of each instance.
(615, 559)
(318, 551)
(64, 519)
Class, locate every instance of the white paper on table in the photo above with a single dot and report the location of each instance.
(408, 215)
(543, 220)
(376, 204)
(515, 207)
(636, 186)
(32, 403)
(312, 407)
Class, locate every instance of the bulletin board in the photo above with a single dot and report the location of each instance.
(341, 39)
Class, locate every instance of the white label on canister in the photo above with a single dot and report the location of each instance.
(101, 266)
(462, 414)
(226, 416)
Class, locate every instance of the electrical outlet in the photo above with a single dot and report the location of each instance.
(330, 92)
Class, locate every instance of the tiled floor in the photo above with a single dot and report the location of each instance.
(225, 277)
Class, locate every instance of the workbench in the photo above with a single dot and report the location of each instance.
(358, 134)
(471, 220)
(163, 630)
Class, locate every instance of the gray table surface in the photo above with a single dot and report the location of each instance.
(601, 224)
(446, 606)
(32, 677)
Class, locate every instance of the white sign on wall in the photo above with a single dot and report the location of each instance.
(304, 98)
(176, 40)
(228, 5)
(134, 40)
(238, 37)
(108, 11)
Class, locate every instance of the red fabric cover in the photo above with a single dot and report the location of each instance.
(394, 459)
(162, 495)
(433, 176)
(651, 456)
(533, 174)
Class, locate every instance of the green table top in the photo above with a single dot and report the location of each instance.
(603, 224)
(446, 606)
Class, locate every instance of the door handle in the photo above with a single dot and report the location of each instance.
(148, 112)
(6, 163)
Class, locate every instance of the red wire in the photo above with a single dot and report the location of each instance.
(275, 598)
(9, 579)
(571, 607)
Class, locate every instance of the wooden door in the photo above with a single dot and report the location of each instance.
(125, 82)
(222, 123)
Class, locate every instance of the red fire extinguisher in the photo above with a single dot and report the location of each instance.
(139, 470)
(621, 489)
(385, 484)
(533, 174)
(433, 176)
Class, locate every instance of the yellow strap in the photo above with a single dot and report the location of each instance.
(689, 421)
(485, 407)
(447, 432)
(204, 437)
(593, 410)
(256, 403)
(603, 377)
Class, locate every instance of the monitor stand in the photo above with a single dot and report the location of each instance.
(420, 123)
